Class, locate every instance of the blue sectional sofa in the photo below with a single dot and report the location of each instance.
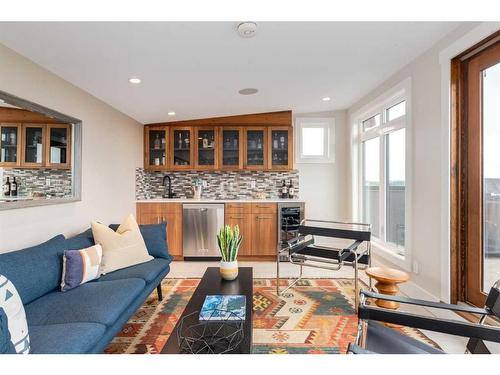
(84, 319)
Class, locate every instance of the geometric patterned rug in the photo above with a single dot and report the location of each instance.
(315, 316)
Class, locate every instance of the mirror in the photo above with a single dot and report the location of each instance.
(40, 155)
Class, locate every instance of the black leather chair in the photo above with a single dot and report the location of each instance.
(374, 337)
(303, 250)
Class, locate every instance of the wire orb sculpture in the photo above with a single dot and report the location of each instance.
(210, 336)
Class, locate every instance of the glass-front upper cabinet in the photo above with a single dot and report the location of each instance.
(155, 146)
(231, 148)
(206, 143)
(10, 145)
(182, 148)
(58, 146)
(33, 141)
(255, 148)
(280, 148)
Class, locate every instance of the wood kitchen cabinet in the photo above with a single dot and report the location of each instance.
(171, 213)
(10, 145)
(58, 146)
(156, 148)
(262, 141)
(255, 148)
(280, 148)
(258, 226)
(244, 221)
(264, 219)
(35, 145)
(182, 148)
(206, 142)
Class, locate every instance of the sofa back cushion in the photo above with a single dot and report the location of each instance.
(35, 271)
(80, 241)
(155, 237)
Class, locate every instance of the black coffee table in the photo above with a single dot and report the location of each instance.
(212, 284)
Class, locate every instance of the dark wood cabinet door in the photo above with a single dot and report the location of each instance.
(182, 148)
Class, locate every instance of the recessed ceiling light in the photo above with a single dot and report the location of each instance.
(248, 91)
(171, 113)
(326, 99)
(135, 81)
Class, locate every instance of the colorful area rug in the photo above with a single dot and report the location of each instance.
(315, 316)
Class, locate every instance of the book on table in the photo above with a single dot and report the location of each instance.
(220, 307)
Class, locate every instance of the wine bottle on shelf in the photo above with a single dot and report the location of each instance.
(180, 140)
(205, 141)
(6, 188)
(163, 143)
(284, 190)
(259, 144)
(13, 187)
(157, 142)
(212, 142)
(282, 142)
(291, 190)
(275, 141)
(186, 140)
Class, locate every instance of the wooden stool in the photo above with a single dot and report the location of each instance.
(387, 280)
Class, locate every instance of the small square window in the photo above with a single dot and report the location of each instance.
(396, 111)
(371, 123)
(314, 140)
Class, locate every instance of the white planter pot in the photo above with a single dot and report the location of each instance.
(229, 270)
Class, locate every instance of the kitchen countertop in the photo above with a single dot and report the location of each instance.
(228, 200)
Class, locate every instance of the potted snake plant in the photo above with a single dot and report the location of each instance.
(229, 241)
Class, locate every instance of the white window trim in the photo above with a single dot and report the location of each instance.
(329, 146)
(394, 95)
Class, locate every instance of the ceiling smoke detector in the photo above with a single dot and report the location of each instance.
(247, 29)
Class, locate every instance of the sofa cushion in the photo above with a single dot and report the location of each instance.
(95, 302)
(12, 306)
(146, 271)
(123, 248)
(80, 241)
(68, 338)
(80, 266)
(155, 237)
(6, 346)
(36, 270)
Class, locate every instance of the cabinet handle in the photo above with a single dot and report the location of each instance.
(158, 220)
(263, 218)
(236, 217)
(263, 206)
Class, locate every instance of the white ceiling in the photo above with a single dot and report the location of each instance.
(197, 68)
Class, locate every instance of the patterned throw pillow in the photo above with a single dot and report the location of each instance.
(11, 304)
(80, 266)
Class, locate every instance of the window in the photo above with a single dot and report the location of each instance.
(382, 154)
(315, 140)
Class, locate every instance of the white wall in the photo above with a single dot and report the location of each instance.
(325, 187)
(427, 201)
(112, 148)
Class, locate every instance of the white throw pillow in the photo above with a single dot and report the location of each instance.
(11, 303)
(120, 249)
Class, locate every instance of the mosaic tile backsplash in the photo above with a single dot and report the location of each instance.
(35, 181)
(217, 184)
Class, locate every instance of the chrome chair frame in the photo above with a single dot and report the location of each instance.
(324, 263)
(476, 332)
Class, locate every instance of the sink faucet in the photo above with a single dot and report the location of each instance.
(169, 194)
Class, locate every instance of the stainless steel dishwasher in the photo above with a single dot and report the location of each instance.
(200, 224)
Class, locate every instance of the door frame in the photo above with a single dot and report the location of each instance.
(458, 166)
